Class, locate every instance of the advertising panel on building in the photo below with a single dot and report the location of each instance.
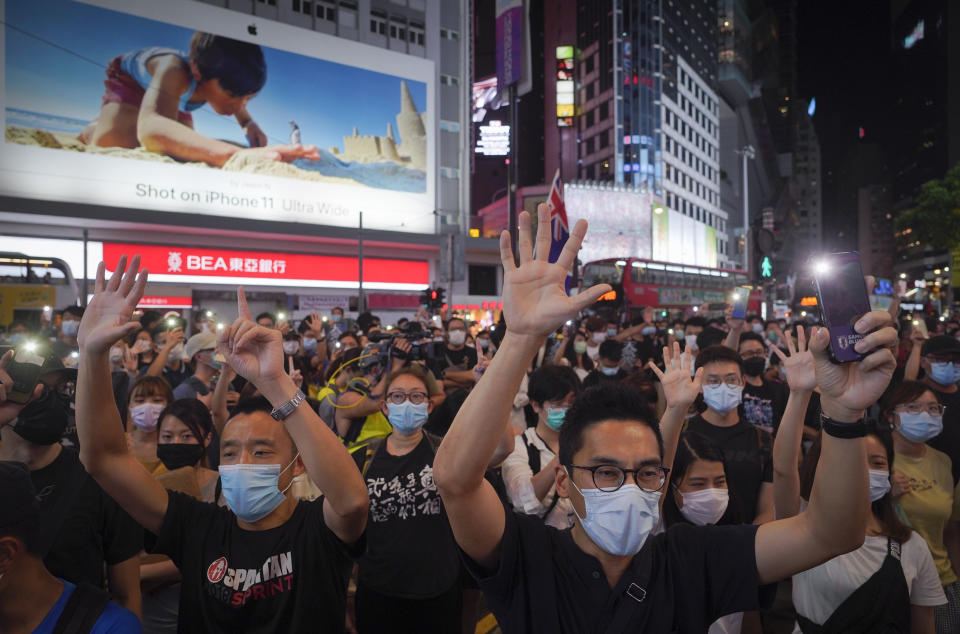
(153, 106)
(619, 221)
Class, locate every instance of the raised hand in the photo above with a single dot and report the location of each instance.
(800, 365)
(108, 316)
(679, 389)
(315, 322)
(732, 322)
(849, 388)
(131, 360)
(255, 352)
(534, 300)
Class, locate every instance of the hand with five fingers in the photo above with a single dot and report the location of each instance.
(800, 365)
(679, 389)
(109, 314)
(847, 389)
(534, 300)
(253, 351)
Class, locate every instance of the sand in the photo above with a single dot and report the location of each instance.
(238, 163)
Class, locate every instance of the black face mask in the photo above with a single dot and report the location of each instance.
(44, 420)
(754, 367)
(176, 455)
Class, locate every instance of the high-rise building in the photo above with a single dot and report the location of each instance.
(803, 230)
(876, 243)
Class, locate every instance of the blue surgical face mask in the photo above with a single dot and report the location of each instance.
(943, 373)
(773, 336)
(618, 522)
(610, 371)
(310, 344)
(335, 318)
(920, 427)
(649, 330)
(252, 490)
(555, 417)
(722, 398)
(406, 417)
(611, 332)
(879, 484)
(758, 328)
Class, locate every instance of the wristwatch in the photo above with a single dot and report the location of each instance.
(280, 413)
(839, 429)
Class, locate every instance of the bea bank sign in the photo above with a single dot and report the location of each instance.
(221, 266)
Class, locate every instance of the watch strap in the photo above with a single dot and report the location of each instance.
(838, 429)
(284, 410)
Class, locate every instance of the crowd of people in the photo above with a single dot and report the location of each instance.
(565, 471)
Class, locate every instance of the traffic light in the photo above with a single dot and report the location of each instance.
(766, 268)
(425, 298)
(438, 298)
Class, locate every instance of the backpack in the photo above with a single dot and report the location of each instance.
(533, 459)
(82, 610)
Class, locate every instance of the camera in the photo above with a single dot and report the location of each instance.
(381, 346)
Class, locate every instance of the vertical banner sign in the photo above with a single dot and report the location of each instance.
(566, 93)
(509, 43)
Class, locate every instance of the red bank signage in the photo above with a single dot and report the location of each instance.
(221, 266)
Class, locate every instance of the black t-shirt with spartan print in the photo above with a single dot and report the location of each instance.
(292, 578)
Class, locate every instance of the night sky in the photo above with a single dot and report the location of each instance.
(842, 52)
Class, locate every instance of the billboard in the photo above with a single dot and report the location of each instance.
(619, 221)
(177, 106)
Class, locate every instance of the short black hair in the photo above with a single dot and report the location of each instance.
(76, 311)
(251, 405)
(552, 383)
(149, 318)
(752, 336)
(696, 320)
(715, 322)
(712, 354)
(453, 319)
(604, 403)
(710, 336)
(612, 350)
(266, 315)
(349, 333)
(239, 66)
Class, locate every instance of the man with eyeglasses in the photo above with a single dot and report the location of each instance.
(940, 360)
(608, 573)
(763, 401)
(746, 448)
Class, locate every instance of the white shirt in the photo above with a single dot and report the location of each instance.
(516, 477)
(818, 592)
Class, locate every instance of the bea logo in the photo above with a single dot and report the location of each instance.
(216, 570)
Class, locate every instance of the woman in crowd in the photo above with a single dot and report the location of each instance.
(573, 353)
(148, 397)
(142, 344)
(183, 434)
(409, 577)
(698, 495)
(889, 584)
(924, 488)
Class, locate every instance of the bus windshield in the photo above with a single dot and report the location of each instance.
(610, 272)
(19, 269)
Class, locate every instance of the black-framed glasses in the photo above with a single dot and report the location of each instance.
(934, 409)
(398, 397)
(609, 478)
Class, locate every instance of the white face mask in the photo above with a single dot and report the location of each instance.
(457, 337)
(879, 484)
(70, 327)
(722, 398)
(691, 342)
(178, 353)
(599, 337)
(705, 506)
(618, 522)
(291, 347)
(146, 415)
(116, 356)
(310, 344)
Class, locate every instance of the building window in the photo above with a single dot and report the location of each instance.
(604, 139)
(348, 15)
(590, 145)
(604, 112)
(449, 34)
(271, 3)
(449, 126)
(378, 22)
(416, 34)
(326, 10)
(449, 80)
(450, 172)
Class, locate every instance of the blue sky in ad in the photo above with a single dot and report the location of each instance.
(63, 76)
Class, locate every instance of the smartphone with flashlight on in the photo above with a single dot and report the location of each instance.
(921, 326)
(740, 297)
(843, 300)
(25, 369)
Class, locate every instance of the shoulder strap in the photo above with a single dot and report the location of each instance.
(82, 610)
(370, 451)
(433, 441)
(533, 455)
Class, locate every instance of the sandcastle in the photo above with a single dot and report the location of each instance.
(412, 152)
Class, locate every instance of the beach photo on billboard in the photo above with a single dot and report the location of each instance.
(69, 67)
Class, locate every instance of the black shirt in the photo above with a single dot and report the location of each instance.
(292, 578)
(763, 405)
(410, 549)
(173, 377)
(454, 360)
(747, 460)
(949, 439)
(545, 583)
(82, 525)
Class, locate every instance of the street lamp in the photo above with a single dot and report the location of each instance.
(747, 152)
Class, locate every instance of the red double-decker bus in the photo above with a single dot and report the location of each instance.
(638, 283)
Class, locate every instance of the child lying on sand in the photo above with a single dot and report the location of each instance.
(151, 92)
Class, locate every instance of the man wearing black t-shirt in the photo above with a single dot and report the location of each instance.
(267, 563)
(607, 574)
(763, 401)
(455, 360)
